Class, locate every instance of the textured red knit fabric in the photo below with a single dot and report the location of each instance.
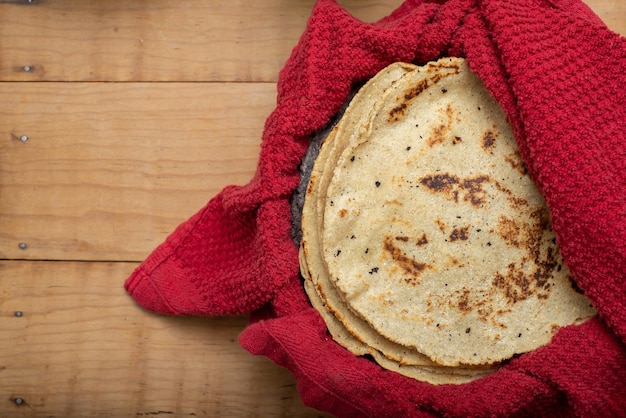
(560, 76)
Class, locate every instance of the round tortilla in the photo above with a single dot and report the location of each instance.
(432, 232)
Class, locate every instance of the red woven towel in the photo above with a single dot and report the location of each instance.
(560, 76)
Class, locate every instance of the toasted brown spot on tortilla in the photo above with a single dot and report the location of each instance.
(441, 224)
(412, 268)
(450, 186)
(311, 185)
(516, 162)
(440, 132)
(459, 234)
(441, 183)
(463, 301)
(509, 230)
(474, 190)
(398, 112)
(423, 240)
(488, 141)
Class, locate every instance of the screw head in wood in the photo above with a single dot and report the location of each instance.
(28, 68)
(23, 138)
(22, 246)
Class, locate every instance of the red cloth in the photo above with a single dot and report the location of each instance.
(560, 76)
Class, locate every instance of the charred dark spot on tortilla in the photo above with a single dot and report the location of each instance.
(397, 112)
(444, 90)
(541, 217)
(415, 90)
(450, 186)
(422, 241)
(474, 190)
(517, 285)
(408, 148)
(337, 253)
(377, 183)
(574, 285)
(374, 270)
(367, 250)
(353, 237)
(402, 238)
(456, 140)
(352, 158)
(468, 330)
(454, 67)
(440, 182)
(488, 141)
(412, 268)
(459, 234)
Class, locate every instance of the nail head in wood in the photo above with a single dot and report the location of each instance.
(23, 246)
(23, 138)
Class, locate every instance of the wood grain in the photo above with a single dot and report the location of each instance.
(109, 169)
(157, 40)
(82, 348)
(167, 40)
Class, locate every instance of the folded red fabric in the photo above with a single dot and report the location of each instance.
(559, 73)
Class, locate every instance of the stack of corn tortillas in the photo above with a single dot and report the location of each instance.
(425, 244)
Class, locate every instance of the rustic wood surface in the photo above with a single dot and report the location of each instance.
(118, 121)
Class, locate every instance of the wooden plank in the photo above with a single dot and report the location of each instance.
(167, 40)
(109, 169)
(158, 40)
(82, 348)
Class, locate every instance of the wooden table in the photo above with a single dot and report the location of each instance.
(118, 121)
